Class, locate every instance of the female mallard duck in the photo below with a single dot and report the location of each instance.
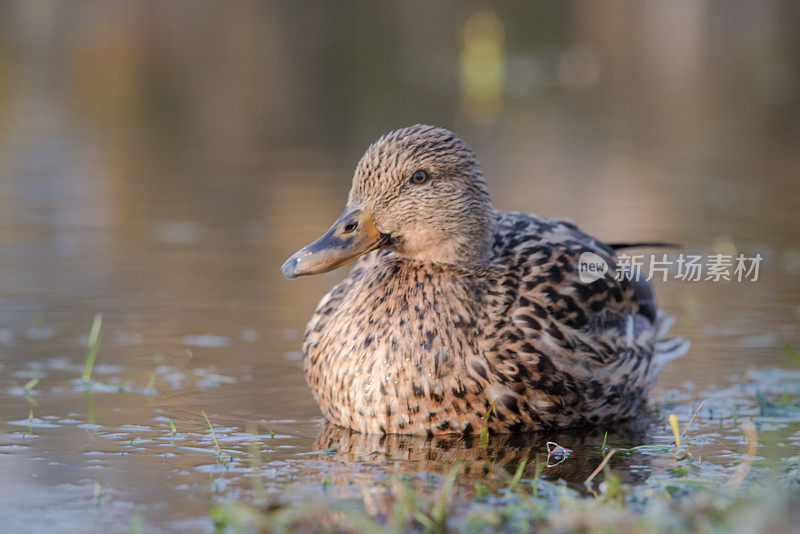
(455, 308)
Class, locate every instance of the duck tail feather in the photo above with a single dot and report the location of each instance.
(642, 244)
(665, 322)
(668, 348)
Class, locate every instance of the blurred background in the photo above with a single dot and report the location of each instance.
(160, 159)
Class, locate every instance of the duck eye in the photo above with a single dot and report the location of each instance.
(419, 177)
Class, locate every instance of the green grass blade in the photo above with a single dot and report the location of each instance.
(425, 521)
(518, 474)
(94, 346)
(30, 384)
(214, 436)
(791, 353)
(87, 399)
(439, 511)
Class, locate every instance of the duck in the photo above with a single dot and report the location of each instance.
(460, 318)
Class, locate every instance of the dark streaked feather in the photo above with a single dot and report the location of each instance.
(643, 244)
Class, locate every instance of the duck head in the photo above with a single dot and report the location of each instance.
(417, 191)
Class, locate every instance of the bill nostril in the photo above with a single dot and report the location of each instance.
(350, 227)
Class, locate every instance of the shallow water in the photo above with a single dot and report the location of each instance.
(139, 185)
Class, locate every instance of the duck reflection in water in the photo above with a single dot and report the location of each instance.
(481, 456)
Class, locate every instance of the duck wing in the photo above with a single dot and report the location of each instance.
(578, 349)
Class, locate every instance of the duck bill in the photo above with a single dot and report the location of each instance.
(352, 235)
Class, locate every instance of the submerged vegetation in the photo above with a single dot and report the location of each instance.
(616, 507)
(685, 500)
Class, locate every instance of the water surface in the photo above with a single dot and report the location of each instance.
(159, 177)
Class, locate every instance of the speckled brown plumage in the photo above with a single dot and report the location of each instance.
(412, 343)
